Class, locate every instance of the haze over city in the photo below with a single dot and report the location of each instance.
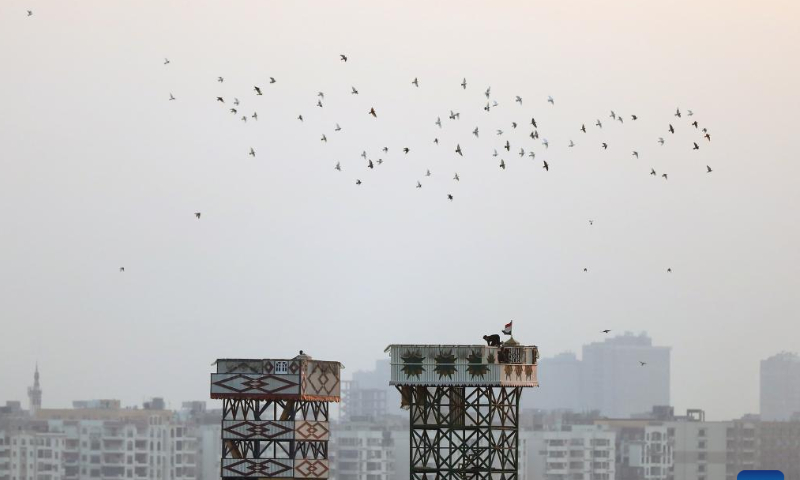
(100, 170)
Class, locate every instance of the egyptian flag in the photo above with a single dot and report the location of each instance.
(507, 330)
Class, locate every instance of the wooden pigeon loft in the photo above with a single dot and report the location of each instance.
(275, 416)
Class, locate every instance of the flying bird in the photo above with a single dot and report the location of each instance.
(319, 103)
(121, 269)
(669, 270)
(550, 100)
(599, 124)
(634, 117)
(220, 99)
(487, 93)
(343, 57)
(678, 112)
(455, 177)
(220, 79)
(583, 128)
(532, 155)
(300, 117)
(258, 90)
(518, 100)
(605, 146)
(197, 214)
(665, 176)
(495, 153)
(709, 169)
(653, 172)
(324, 138)
(372, 112)
(415, 82)
(171, 97)
(255, 115)
(406, 150)
(244, 118)
(507, 146)
(585, 269)
(521, 152)
(689, 112)
(233, 111)
(321, 95)
(338, 167)
(545, 143)
(370, 165)
(502, 164)
(671, 129)
(337, 128)
(613, 115)
(499, 132)
(642, 363)
(385, 149)
(487, 107)
(464, 86)
(436, 140)
(166, 60)
(606, 331)
(236, 101)
(707, 136)
(533, 122)
(271, 79)
(458, 150)
(353, 91)
(427, 173)
(252, 152)
(546, 166)
(364, 154)
(450, 195)
(358, 182)
(419, 185)
(635, 154)
(453, 116)
(438, 122)
(475, 132)
(661, 141)
(591, 222)
(696, 146)
(571, 143)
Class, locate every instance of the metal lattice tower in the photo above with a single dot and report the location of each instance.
(275, 416)
(463, 402)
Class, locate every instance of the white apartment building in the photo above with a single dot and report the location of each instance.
(26, 455)
(370, 450)
(578, 452)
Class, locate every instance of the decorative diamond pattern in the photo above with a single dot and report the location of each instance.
(311, 469)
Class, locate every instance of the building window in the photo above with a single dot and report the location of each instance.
(282, 367)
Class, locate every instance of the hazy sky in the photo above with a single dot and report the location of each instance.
(99, 170)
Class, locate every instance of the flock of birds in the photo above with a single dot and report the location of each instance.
(534, 135)
(503, 148)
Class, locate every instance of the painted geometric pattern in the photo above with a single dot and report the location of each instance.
(239, 384)
(239, 366)
(322, 379)
(257, 430)
(251, 467)
(311, 468)
(312, 431)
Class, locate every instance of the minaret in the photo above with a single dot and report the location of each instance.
(35, 393)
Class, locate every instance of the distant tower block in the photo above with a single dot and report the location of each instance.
(275, 416)
(464, 407)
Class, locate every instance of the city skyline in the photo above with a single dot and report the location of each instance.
(102, 171)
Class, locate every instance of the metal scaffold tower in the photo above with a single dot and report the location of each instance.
(463, 402)
(275, 416)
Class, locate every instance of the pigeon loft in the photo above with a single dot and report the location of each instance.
(509, 365)
(275, 416)
(299, 378)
